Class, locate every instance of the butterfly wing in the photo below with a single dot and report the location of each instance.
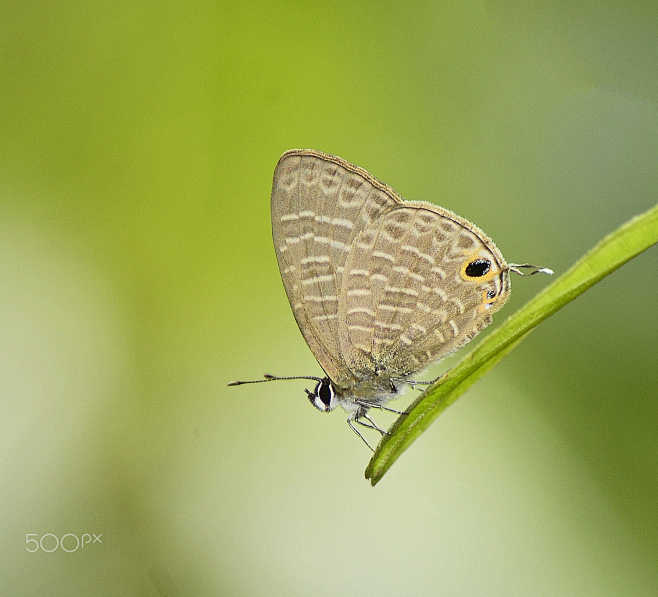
(408, 299)
(320, 205)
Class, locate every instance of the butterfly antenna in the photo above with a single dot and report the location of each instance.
(534, 269)
(269, 377)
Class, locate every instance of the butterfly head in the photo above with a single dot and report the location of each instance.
(323, 397)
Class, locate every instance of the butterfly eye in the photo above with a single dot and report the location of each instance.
(477, 268)
(491, 294)
(323, 396)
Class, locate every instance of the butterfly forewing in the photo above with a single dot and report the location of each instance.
(319, 204)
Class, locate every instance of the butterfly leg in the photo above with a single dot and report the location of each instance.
(379, 406)
(372, 424)
(413, 382)
(353, 428)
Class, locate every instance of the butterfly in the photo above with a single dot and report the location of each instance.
(380, 287)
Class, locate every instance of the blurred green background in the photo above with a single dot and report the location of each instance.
(138, 277)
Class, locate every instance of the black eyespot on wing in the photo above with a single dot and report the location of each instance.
(491, 294)
(477, 268)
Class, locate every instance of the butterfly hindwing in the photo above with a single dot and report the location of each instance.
(407, 301)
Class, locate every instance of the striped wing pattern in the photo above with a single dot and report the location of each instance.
(374, 282)
(406, 303)
(318, 207)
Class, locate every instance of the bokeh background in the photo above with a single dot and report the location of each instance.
(138, 277)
